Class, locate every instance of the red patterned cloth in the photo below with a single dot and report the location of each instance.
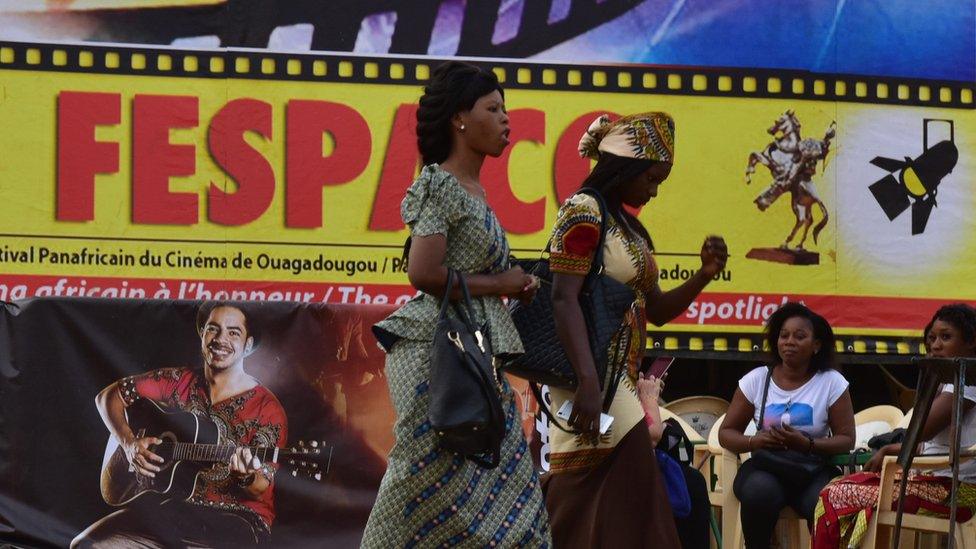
(847, 504)
(573, 254)
(252, 418)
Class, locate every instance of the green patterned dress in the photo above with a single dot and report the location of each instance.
(430, 497)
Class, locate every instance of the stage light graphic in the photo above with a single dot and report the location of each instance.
(917, 181)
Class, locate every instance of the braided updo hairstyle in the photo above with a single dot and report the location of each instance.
(454, 87)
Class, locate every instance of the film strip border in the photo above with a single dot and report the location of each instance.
(326, 67)
(658, 342)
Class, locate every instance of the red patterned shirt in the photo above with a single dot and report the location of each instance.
(252, 418)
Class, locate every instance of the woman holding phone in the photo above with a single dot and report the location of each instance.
(605, 489)
(692, 523)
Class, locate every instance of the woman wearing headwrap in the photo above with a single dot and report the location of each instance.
(605, 490)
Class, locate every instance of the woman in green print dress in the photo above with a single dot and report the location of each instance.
(430, 497)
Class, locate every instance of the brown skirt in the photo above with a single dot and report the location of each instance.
(620, 502)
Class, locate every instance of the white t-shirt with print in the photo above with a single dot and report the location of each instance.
(941, 442)
(804, 408)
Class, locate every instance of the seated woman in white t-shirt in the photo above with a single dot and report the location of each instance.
(807, 410)
(950, 333)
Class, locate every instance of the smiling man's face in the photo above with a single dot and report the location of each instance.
(224, 339)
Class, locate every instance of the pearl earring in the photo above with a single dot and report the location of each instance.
(462, 127)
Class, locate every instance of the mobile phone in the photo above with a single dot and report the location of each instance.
(659, 368)
(566, 410)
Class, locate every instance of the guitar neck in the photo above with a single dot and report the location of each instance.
(222, 452)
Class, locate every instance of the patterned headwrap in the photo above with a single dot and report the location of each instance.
(648, 136)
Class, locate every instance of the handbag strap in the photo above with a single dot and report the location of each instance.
(462, 312)
(762, 408)
(466, 296)
(597, 268)
(546, 411)
(446, 298)
(616, 363)
(762, 411)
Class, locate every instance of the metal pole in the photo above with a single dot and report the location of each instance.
(957, 391)
(928, 385)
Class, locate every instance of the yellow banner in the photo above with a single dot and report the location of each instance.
(136, 173)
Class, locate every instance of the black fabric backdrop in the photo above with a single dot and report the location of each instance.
(57, 354)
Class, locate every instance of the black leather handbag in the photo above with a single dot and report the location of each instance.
(797, 468)
(604, 302)
(465, 408)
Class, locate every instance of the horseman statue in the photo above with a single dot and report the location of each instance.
(792, 162)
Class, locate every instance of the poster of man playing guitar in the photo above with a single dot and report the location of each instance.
(194, 451)
(176, 423)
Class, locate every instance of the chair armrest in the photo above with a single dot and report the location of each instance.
(730, 504)
(703, 450)
(729, 468)
(937, 461)
(889, 466)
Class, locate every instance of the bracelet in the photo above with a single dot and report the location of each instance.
(809, 438)
(749, 442)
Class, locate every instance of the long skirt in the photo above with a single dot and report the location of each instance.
(619, 502)
(430, 497)
(847, 504)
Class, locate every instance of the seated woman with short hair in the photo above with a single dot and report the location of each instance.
(803, 411)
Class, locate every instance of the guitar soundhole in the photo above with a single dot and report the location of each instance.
(165, 450)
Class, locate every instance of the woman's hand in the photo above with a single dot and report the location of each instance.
(873, 465)
(528, 292)
(714, 254)
(649, 390)
(765, 440)
(514, 282)
(791, 438)
(585, 416)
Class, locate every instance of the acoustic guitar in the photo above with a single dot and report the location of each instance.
(191, 444)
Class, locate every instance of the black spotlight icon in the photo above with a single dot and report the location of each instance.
(917, 181)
